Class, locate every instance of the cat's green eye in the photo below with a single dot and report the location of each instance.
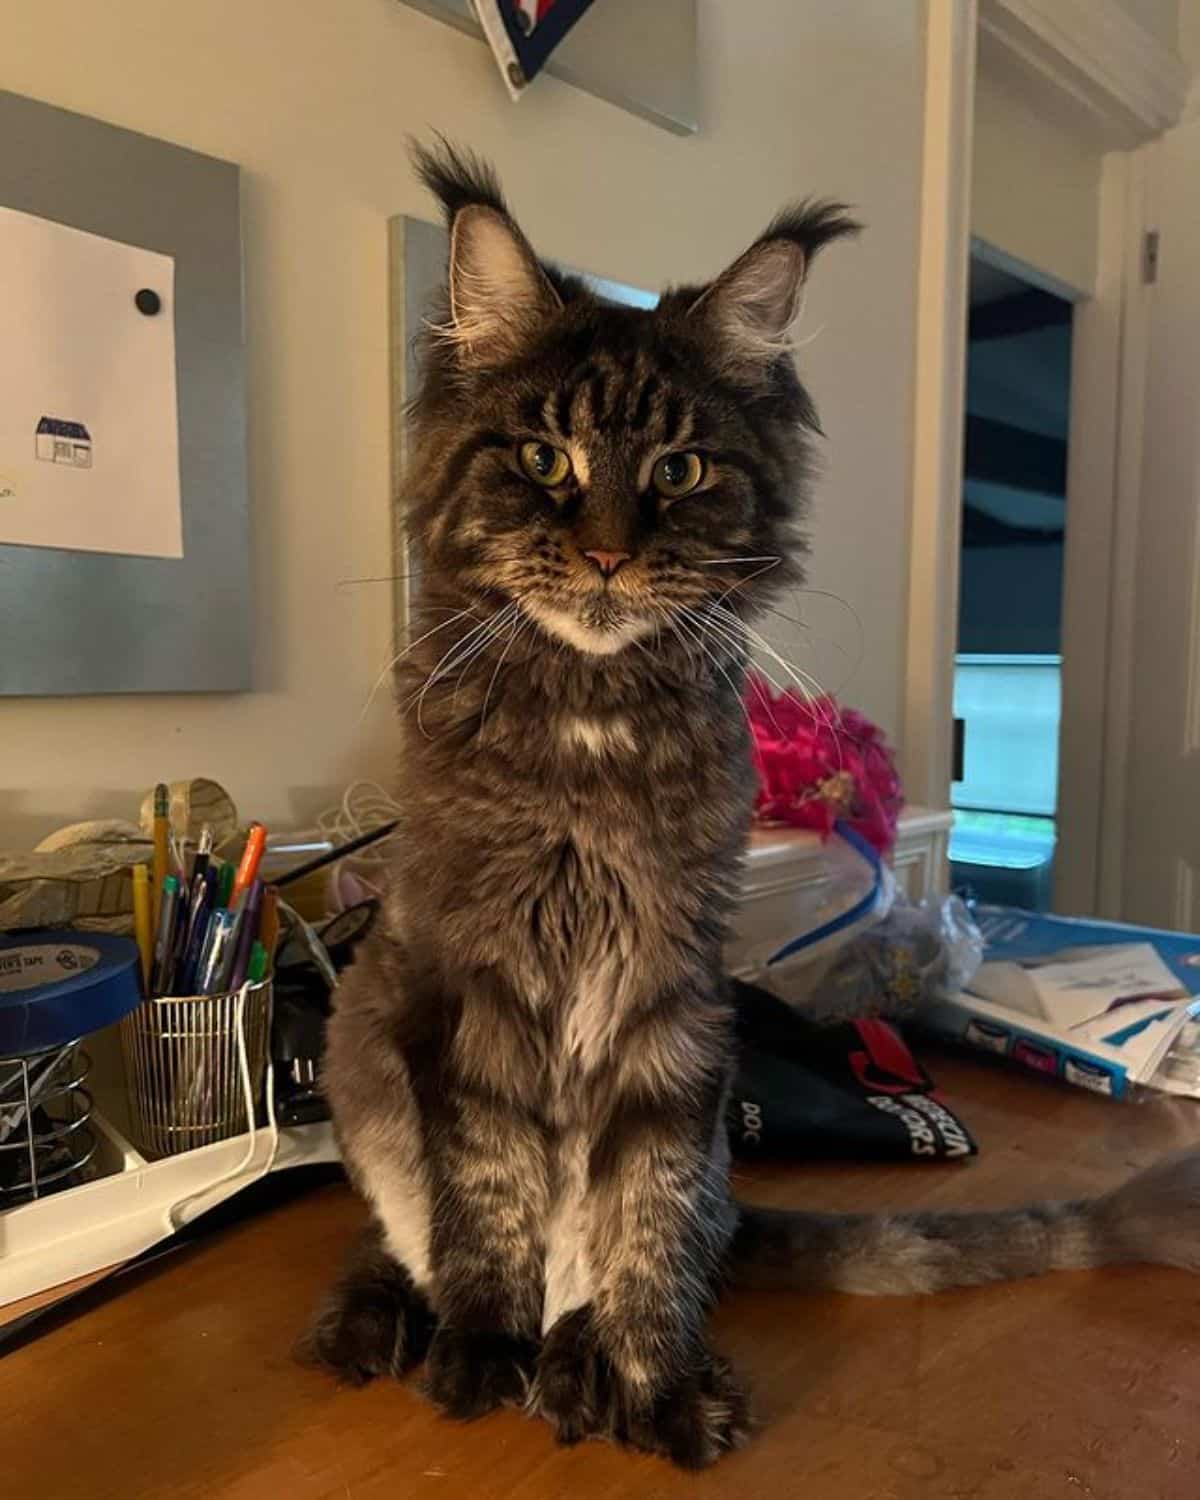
(677, 474)
(544, 463)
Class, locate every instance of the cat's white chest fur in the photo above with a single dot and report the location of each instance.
(594, 1016)
(588, 1034)
(568, 1269)
(609, 736)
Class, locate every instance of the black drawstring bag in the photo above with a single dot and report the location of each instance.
(852, 1090)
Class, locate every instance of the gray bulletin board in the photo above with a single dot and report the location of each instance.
(79, 622)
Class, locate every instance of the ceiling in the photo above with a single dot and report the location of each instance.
(1018, 401)
(987, 283)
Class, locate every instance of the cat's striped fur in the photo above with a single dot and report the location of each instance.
(528, 1063)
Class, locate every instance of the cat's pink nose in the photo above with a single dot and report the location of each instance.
(607, 562)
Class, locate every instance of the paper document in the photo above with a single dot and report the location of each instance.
(89, 425)
(1107, 991)
(1097, 1004)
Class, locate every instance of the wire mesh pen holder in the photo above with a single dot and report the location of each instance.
(194, 1067)
(46, 1140)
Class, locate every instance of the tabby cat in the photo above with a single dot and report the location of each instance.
(529, 1061)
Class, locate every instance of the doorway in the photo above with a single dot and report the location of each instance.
(1008, 661)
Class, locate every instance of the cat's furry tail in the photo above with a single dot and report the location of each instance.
(1154, 1217)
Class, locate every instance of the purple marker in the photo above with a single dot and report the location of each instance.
(247, 932)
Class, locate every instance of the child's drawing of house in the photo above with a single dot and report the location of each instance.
(60, 442)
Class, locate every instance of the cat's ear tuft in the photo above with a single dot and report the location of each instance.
(500, 297)
(456, 177)
(752, 305)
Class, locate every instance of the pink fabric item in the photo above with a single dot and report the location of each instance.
(819, 763)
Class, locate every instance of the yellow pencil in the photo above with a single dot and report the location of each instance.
(162, 808)
(141, 922)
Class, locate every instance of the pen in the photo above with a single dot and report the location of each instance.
(162, 808)
(217, 954)
(330, 855)
(203, 851)
(142, 927)
(225, 885)
(204, 895)
(165, 937)
(247, 934)
(256, 841)
(177, 856)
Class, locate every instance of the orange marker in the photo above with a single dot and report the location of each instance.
(256, 842)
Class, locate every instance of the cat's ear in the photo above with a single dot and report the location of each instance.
(500, 297)
(751, 306)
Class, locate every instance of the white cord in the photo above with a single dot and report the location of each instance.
(365, 805)
(248, 1096)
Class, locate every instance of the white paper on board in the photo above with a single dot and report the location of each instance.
(89, 423)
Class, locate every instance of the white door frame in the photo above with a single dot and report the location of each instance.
(941, 347)
(1091, 65)
(1104, 470)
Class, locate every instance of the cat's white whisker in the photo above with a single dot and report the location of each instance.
(470, 644)
(744, 582)
(400, 655)
(812, 691)
(501, 620)
(738, 639)
(738, 697)
(521, 623)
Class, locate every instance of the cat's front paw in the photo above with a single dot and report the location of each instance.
(575, 1388)
(693, 1421)
(470, 1373)
(373, 1322)
(701, 1417)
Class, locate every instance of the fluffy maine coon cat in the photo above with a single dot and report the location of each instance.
(528, 1063)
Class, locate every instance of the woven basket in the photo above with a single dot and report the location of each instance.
(183, 1066)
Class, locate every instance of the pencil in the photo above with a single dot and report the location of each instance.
(162, 808)
(142, 926)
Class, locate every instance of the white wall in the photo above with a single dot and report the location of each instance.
(1161, 18)
(314, 99)
(1035, 187)
(1189, 33)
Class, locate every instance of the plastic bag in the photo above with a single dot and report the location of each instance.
(847, 891)
(914, 954)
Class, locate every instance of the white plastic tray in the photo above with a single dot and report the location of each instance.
(138, 1204)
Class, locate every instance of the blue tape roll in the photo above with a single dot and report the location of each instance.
(58, 984)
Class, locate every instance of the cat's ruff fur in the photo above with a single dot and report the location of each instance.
(528, 1063)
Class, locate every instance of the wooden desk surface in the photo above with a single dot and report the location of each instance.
(1076, 1386)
